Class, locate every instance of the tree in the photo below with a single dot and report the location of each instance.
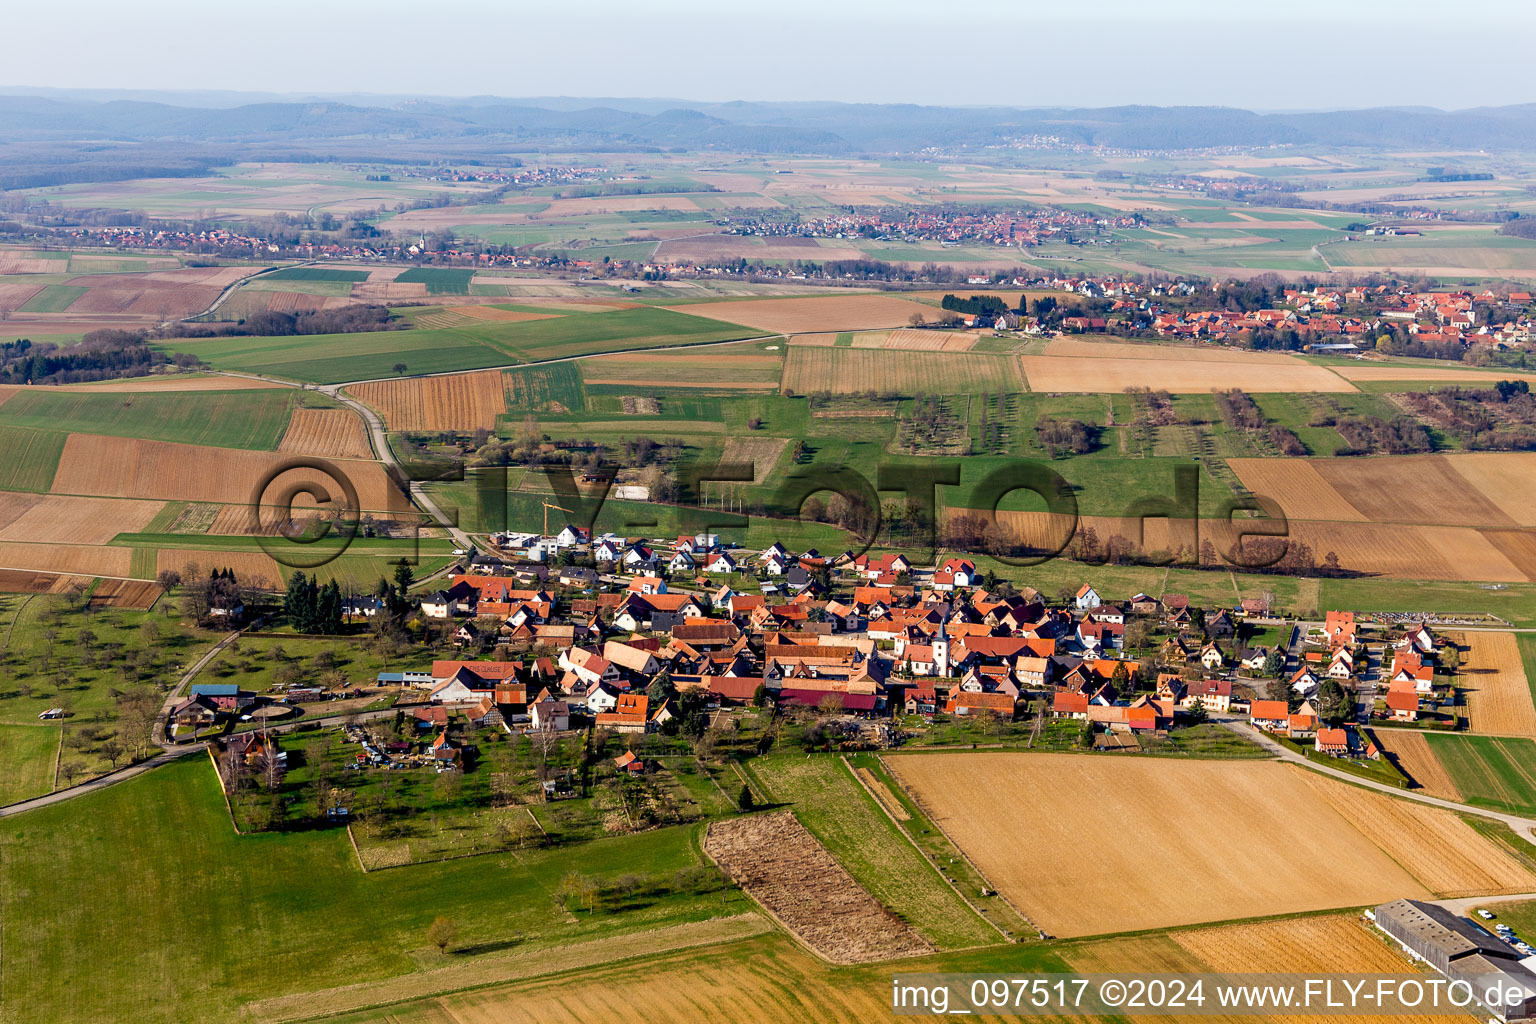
(746, 801)
(399, 369)
(442, 932)
(1197, 712)
(1334, 704)
(661, 690)
(1274, 663)
(1450, 658)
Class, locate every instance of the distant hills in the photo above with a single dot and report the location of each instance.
(211, 125)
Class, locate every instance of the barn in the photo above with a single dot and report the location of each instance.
(1461, 950)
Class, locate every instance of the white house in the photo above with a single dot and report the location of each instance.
(1087, 598)
(721, 563)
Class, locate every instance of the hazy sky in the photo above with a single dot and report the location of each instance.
(1273, 56)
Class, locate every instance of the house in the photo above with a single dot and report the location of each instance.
(1339, 629)
(1211, 657)
(962, 702)
(607, 550)
(647, 585)
(1270, 715)
(1253, 659)
(570, 536)
(629, 715)
(437, 605)
(1302, 725)
(1069, 705)
(721, 564)
(1342, 664)
(1213, 695)
(1086, 598)
(1304, 682)
(681, 562)
(550, 715)
(921, 699)
(1401, 706)
(1333, 742)
(639, 558)
(1419, 637)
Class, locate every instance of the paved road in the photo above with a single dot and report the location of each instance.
(158, 734)
(103, 781)
(1522, 827)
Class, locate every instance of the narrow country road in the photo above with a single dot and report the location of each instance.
(101, 781)
(1522, 827)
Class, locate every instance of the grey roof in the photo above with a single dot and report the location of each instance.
(1434, 927)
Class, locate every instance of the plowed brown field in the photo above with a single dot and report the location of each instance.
(1417, 760)
(132, 468)
(776, 860)
(255, 569)
(1297, 486)
(1443, 852)
(1493, 676)
(335, 432)
(1021, 817)
(463, 401)
(52, 519)
(1411, 489)
(137, 594)
(79, 559)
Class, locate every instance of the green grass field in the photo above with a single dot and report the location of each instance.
(535, 388)
(1490, 771)
(439, 280)
(55, 298)
(27, 757)
(253, 419)
(829, 801)
(31, 457)
(333, 358)
(316, 275)
(218, 919)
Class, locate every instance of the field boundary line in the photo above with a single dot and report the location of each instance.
(744, 922)
(713, 781)
(960, 850)
(12, 627)
(355, 851)
(924, 854)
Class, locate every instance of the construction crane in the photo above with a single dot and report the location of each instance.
(547, 507)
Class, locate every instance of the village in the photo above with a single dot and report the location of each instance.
(617, 649)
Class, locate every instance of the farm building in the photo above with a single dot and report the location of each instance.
(1461, 950)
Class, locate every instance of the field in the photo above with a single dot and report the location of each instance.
(1179, 373)
(1493, 677)
(252, 419)
(767, 980)
(829, 801)
(1135, 812)
(1298, 488)
(553, 387)
(330, 359)
(811, 315)
(723, 368)
(850, 370)
(1489, 771)
(31, 457)
(28, 754)
(466, 401)
(439, 280)
(333, 432)
(1437, 847)
(130, 468)
(785, 869)
(270, 915)
(48, 518)
(77, 559)
(166, 382)
(1439, 494)
(139, 595)
(1414, 756)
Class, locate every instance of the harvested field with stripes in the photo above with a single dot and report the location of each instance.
(130, 468)
(1493, 678)
(338, 433)
(136, 594)
(910, 340)
(1132, 812)
(1450, 553)
(54, 519)
(171, 382)
(77, 559)
(1298, 487)
(1368, 372)
(462, 401)
(1178, 374)
(761, 452)
(712, 367)
(458, 316)
(782, 866)
(1415, 759)
(1078, 348)
(1436, 846)
(1505, 479)
(813, 315)
(849, 370)
(1415, 489)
